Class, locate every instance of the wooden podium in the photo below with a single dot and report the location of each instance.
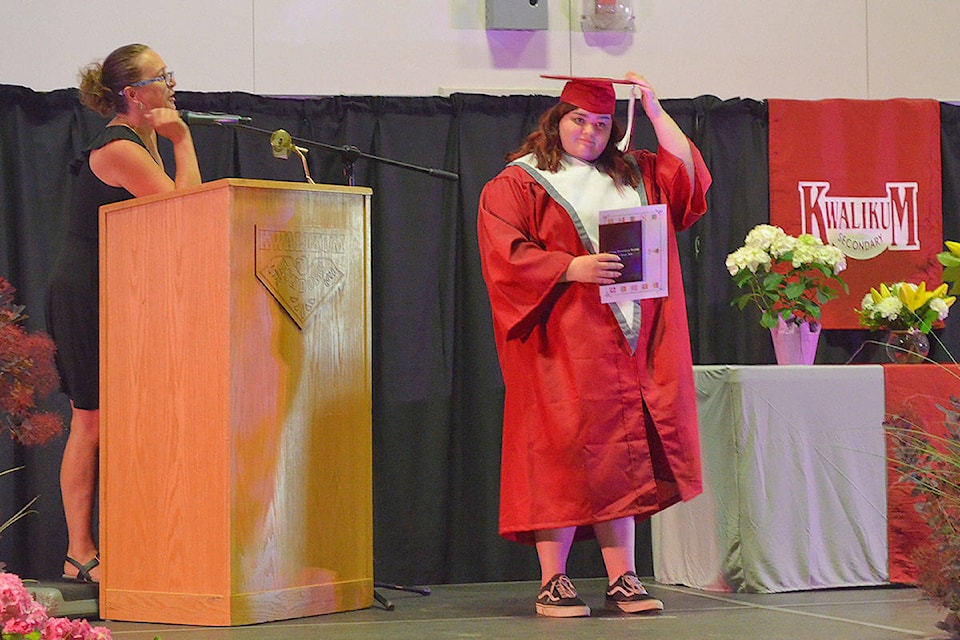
(235, 394)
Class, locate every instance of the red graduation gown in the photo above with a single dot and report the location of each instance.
(577, 446)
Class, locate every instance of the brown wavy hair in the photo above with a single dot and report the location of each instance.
(102, 84)
(544, 144)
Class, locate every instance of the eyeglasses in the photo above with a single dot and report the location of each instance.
(166, 78)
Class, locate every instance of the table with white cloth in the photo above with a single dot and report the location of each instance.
(795, 492)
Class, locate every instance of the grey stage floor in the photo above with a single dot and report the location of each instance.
(505, 610)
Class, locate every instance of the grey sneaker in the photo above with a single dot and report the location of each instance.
(558, 599)
(628, 594)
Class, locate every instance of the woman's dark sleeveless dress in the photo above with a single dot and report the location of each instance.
(73, 296)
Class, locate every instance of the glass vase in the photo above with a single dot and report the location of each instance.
(908, 346)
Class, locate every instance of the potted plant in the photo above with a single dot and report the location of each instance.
(931, 464)
(789, 279)
(927, 457)
(907, 312)
(27, 375)
(22, 617)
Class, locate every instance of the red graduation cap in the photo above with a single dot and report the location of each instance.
(597, 96)
(593, 94)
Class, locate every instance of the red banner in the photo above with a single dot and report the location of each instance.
(864, 176)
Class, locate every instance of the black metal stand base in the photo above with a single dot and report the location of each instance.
(423, 591)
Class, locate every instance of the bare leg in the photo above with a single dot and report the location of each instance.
(553, 547)
(78, 485)
(559, 599)
(617, 540)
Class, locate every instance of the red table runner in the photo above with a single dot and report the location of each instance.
(913, 391)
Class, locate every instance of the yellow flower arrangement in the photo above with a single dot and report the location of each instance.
(903, 306)
(950, 259)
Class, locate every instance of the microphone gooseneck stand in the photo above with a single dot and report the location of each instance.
(282, 142)
(349, 154)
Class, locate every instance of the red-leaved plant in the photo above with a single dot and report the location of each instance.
(931, 464)
(27, 375)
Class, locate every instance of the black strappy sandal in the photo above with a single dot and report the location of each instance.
(83, 570)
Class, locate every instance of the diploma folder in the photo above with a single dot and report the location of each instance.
(639, 236)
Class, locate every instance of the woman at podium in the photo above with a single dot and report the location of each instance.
(134, 88)
(600, 424)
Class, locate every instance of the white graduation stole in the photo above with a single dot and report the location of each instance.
(583, 191)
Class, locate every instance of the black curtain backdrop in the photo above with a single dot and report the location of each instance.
(437, 386)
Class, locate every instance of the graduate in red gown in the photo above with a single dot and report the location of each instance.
(600, 422)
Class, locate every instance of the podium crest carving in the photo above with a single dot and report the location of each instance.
(301, 267)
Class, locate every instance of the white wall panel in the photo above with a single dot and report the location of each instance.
(913, 49)
(44, 44)
(403, 48)
(807, 49)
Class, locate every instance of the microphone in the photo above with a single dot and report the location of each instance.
(200, 118)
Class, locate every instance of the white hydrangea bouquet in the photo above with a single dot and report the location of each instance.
(788, 278)
(904, 306)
